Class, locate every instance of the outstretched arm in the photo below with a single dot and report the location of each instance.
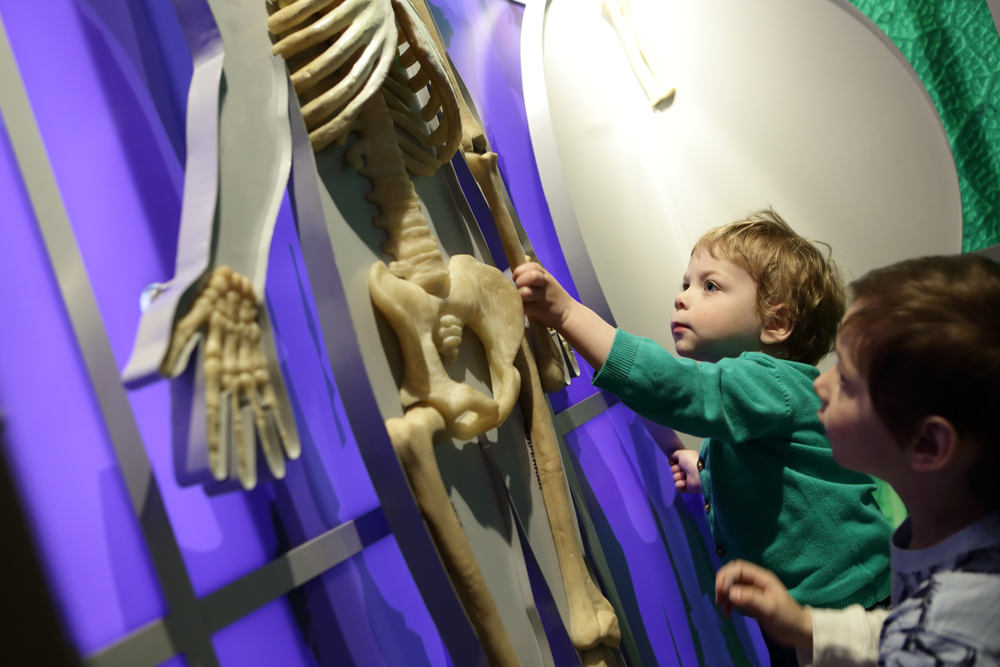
(546, 300)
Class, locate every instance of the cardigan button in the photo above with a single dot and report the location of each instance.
(708, 508)
(720, 551)
(701, 464)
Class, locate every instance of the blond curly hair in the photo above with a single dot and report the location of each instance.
(795, 281)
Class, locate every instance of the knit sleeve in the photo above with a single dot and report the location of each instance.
(734, 400)
(844, 637)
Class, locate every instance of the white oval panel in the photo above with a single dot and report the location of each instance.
(803, 105)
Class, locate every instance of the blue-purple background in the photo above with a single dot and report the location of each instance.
(107, 81)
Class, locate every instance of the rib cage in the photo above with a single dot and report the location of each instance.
(340, 53)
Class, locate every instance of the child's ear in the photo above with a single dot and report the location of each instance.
(778, 328)
(934, 446)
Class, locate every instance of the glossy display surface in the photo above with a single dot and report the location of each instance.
(105, 81)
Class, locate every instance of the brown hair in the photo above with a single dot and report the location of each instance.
(927, 337)
(790, 272)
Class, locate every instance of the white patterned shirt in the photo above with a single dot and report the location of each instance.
(945, 608)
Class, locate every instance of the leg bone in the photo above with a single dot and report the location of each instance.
(413, 438)
(592, 619)
(549, 357)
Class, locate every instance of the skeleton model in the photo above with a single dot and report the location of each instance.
(619, 13)
(206, 328)
(341, 56)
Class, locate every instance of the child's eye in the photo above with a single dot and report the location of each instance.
(711, 287)
(684, 287)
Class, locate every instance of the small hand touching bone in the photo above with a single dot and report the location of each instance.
(547, 355)
(225, 313)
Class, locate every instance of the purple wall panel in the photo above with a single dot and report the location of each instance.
(367, 612)
(119, 181)
(331, 473)
(121, 184)
(177, 661)
(659, 541)
(265, 638)
(89, 540)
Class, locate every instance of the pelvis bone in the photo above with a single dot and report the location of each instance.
(429, 327)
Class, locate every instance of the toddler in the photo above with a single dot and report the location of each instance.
(759, 306)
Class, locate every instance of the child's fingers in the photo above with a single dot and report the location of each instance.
(527, 292)
(723, 582)
(528, 266)
(756, 576)
(528, 273)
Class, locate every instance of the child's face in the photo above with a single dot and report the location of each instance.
(857, 436)
(715, 316)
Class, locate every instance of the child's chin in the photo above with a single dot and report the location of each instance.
(683, 349)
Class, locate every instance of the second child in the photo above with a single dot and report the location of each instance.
(914, 399)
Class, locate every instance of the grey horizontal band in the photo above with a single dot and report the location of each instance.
(581, 413)
(993, 252)
(285, 574)
(151, 644)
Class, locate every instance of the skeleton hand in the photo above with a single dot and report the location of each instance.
(235, 367)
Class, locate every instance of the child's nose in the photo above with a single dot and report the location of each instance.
(679, 302)
(819, 386)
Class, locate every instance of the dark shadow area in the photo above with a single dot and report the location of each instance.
(399, 644)
(456, 463)
(32, 631)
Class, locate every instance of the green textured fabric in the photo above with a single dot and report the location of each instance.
(954, 47)
(773, 493)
